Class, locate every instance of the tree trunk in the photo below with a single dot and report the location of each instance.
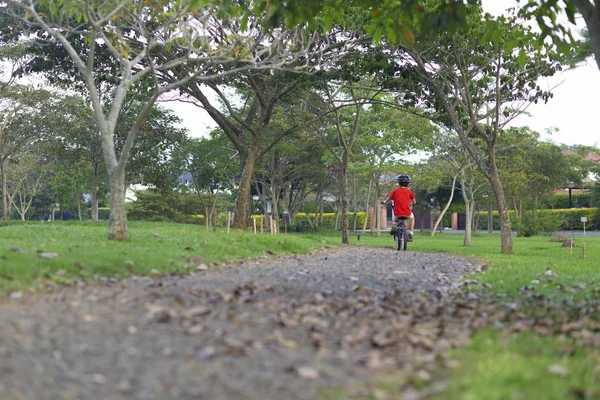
(367, 208)
(505, 229)
(490, 216)
(377, 208)
(118, 216)
(5, 203)
(468, 220)
(244, 198)
(445, 208)
(343, 200)
(95, 194)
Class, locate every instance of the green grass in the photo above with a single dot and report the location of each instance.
(80, 250)
(523, 366)
(573, 278)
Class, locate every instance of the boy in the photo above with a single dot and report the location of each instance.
(403, 199)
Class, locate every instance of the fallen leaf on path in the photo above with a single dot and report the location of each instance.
(196, 311)
(308, 372)
(234, 347)
(383, 339)
(202, 267)
(158, 313)
(207, 353)
(99, 379)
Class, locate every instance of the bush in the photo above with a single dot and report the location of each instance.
(534, 224)
(103, 213)
(570, 218)
(561, 201)
(301, 223)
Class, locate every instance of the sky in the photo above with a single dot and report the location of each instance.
(571, 115)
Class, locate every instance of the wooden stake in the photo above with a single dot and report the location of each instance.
(262, 218)
(254, 219)
(583, 249)
(228, 220)
(571, 251)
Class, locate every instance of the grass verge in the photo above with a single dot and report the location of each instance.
(522, 365)
(66, 251)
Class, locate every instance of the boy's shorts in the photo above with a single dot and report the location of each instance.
(411, 216)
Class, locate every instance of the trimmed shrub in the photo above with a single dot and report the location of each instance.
(561, 201)
(570, 218)
(301, 223)
(534, 224)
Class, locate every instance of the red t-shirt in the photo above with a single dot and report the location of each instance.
(402, 197)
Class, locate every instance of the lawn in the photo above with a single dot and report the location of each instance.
(537, 263)
(32, 253)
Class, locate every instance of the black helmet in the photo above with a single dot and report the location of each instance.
(404, 178)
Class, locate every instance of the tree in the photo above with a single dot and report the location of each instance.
(211, 166)
(20, 125)
(261, 95)
(78, 143)
(391, 135)
(479, 87)
(447, 146)
(346, 102)
(143, 41)
(290, 171)
(27, 174)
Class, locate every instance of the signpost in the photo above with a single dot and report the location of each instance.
(584, 220)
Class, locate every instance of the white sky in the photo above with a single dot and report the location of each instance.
(573, 110)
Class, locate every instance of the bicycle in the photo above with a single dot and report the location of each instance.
(401, 234)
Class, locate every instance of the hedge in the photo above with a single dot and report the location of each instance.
(571, 217)
(561, 201)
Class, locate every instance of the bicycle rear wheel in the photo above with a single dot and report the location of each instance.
(398, 236)
(404, 238)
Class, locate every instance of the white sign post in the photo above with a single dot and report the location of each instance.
(584, 220)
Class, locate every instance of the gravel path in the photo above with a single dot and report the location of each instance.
(285, 328)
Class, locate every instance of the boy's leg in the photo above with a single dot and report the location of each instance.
(411, 226)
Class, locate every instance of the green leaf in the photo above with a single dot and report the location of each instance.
(522, 58)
